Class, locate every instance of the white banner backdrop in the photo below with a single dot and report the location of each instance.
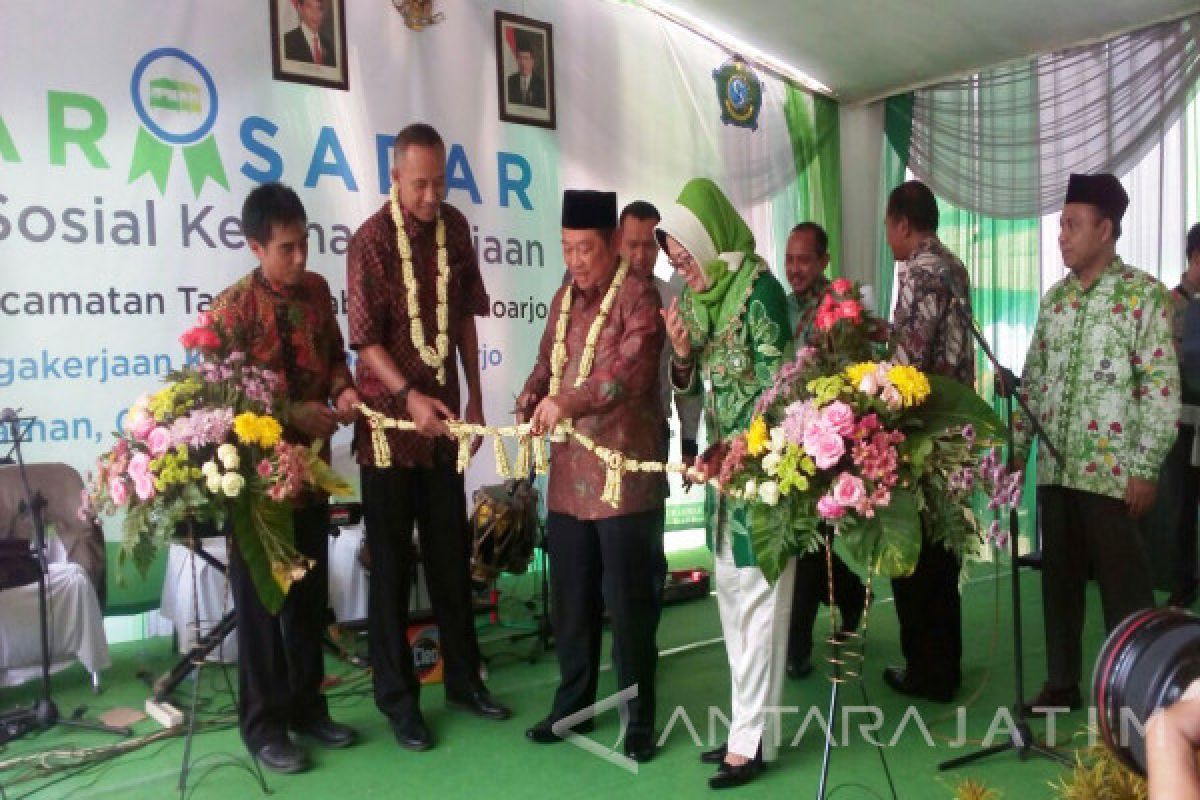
(101, 268)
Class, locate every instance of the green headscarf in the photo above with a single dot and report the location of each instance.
(707, 225)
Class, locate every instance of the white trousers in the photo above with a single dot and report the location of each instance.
(754, 620)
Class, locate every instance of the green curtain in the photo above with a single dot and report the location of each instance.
(812, 122)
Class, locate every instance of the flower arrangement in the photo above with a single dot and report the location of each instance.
(208, 450)
(878, 451)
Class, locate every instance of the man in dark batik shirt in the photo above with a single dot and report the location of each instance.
(281, 317)
(601, 556)
(422, 485)
(930, 330)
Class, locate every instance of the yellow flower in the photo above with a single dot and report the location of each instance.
(856, 372)
(269, 431)
(757, 437)
(910, 382)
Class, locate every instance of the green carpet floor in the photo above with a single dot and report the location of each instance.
(481, 759)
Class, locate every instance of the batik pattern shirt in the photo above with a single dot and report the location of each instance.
(617, 405)
(1101, 376)
(930, 327)
(378, 315)
(802, 310)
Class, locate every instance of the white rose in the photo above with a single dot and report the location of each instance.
(769, 493)
(770, 462)
(778, 440)
(210, 470)
(892, 398)
(228, 455)
(214, 483)
(751, 489)
(232, 483)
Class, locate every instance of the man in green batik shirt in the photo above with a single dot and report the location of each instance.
(1101, 377)
(730, 331)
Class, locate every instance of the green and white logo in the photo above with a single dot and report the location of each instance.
(176, 100)
(739, 93)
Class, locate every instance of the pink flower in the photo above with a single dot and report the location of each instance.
(841, 286)
(848, 490)
(828, 508)
(117, 490)
(144, 487)
(139, 467)
(839, 417)
(264, 468)
(139, 423)
(85, 513)
(800, 415)
(159, 441)
(825, 446)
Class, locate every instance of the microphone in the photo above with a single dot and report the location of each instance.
(10, 415)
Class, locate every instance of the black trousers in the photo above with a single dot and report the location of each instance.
(280, 663)
(595, 564)
(1086, 533)
(812, 589)
(1180, 459)
(394, 498)
(929, 609)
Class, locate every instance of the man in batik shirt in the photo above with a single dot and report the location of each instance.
(281, 317)
(931, 331)
(421, 486)
(1184, 459)
(1101, 376)
(805, 260)
(601, 556)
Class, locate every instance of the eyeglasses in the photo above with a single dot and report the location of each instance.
(681, 262)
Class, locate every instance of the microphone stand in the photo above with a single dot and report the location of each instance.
(43, 713)
(1022, 740)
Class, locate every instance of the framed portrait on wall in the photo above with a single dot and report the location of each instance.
(308, 42)
(525, 70)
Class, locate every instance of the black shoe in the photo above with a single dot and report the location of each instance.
(728, 776)
(1051, 697)
(328, 733)
(480, 703)
(799, 669)
(412, 733)
(714, 756)
(282, 757)
(640, 747)
(899, 680)
(543, 732)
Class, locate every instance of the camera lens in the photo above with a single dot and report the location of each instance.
(1146, 664)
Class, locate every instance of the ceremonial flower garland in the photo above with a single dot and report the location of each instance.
(434, 356)
(558, 356)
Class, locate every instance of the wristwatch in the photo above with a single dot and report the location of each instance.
(401, 396)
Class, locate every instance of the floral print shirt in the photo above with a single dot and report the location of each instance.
(802, 309)
(1102, 377)
(929, 329)
(617, 405)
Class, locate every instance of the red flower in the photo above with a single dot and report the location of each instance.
(1116, 470)
(1166, 392)
(849, 309)
(1137, 313)
(1136, 359)
(199, 338)
(1158, 352)
(1090, 468)
(1058, 307)
(1093, 426)
(1115, 427)
(826, 319)
(1118, 308)
(841, 286)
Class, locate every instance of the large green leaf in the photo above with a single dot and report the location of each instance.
(900, 539)
(255, 521)
(952, 405)
(890, 542)
(779, 532)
